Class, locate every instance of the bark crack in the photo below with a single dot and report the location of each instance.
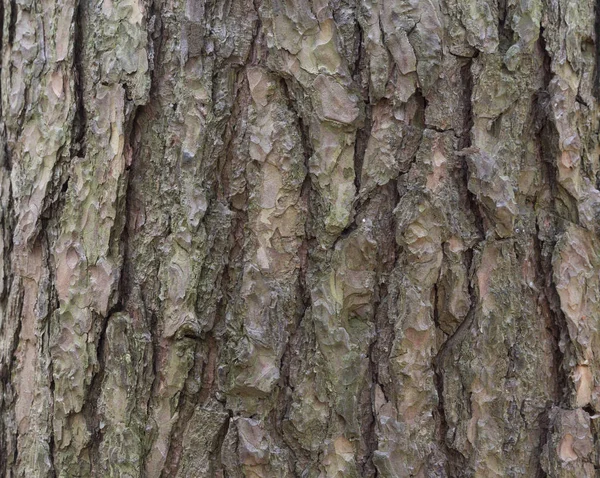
(596, 87)
(78, 148)
(456, 461)
(12, 24)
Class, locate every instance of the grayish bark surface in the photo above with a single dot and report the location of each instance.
(278, 238)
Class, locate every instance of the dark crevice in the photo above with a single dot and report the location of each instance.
(303, 295)
(217, 333)
(546, 134)
(543, 421)
(360, 146)
(155, 36)
(92, 397)
(282, 407)
(547, 71)
(455, 460)
(307, 187)
(281, 410)
(255, 43)
(501, 14)
(23, 112)
(565, 205)
(291, 99)
(7, 219)
(558, 329)
(153, 326)
(135, 302)
(204, 366)
(371, 435)
(437, 129)
(435, 302)
(185, 407)
(356, 69)
(51, 442)
(7, 160)
(505, 32)
(235, 128)
(135, 129)
(12, 21)
(8, 455)
(79, 120)
(49, 230)
(4, 163)
(384, 295)
(473, 205)
(465, 142)
(120, 236)
(468, 82)
(556, 322)
(422, 99)
(596, 86)
(346, 232)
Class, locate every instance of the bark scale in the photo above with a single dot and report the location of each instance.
(277, 238)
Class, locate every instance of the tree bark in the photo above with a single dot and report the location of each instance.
(278, 238)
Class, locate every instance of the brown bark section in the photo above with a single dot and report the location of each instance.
(299, 238)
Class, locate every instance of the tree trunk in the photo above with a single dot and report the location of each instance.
(299, 238)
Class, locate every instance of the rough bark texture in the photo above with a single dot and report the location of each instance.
(278, 238)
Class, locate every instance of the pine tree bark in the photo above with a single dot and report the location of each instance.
(278, 238)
